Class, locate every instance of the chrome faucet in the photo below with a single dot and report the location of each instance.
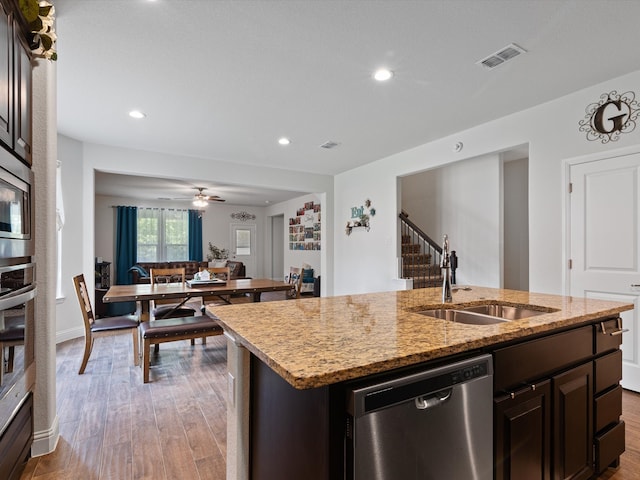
(445, 265)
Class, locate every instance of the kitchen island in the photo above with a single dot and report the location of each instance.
(316, 346)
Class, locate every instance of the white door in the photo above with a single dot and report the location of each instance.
(243, 246)
(605, 231)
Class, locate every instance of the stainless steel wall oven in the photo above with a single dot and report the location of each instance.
(17, 315)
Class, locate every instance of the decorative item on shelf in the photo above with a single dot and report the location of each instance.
(40, 17)
(243, 216)
(360, 217)
(217, 257)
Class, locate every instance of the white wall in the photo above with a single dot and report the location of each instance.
(68, 315)
(368, 261)
(461, 200)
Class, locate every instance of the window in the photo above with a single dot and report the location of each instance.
(163, 235)
(243, 242)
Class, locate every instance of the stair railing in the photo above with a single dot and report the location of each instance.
(420, 255)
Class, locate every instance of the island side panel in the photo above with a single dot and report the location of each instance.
(294, 433)
(238, 398)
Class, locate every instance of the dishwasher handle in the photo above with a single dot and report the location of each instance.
(426, 402)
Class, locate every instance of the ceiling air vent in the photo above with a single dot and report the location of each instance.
(329, 144)
(501, 56)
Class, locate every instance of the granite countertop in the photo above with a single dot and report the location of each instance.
(316, 342)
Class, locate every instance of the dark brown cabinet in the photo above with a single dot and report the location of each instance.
(558, 403)
(522, 444)
(22, 98)
(573, 423)
(15, 87)
(6, 77)
(608, 428)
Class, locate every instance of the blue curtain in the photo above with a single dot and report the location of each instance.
(126, 253)
(195, 235)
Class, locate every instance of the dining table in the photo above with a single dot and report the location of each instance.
(144, 293)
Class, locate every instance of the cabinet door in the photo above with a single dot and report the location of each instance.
(522, 431)
(22, 107)
(6, 78)
(573, 423)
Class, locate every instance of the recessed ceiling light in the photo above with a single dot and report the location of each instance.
(284, 141)
(382, 75)
(136, 114)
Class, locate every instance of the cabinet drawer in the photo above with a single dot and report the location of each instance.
(531, 360)
(608, 371)
(608, 335)
(609, 446)
(608, 408)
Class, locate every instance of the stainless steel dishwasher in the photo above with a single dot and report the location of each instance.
(435, 424)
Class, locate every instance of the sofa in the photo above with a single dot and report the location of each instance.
(140, 271)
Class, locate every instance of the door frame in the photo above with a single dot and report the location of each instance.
(252, 270)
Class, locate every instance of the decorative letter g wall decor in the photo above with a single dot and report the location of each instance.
(614, 114)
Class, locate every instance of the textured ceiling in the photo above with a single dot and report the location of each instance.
(225, 79)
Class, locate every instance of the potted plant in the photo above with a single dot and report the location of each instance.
(217, 256)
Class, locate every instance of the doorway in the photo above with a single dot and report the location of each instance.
(482, 204)
(515, 223)
(277, 247)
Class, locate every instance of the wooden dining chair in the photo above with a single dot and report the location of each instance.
(168, 308)
(161, 309)
(295, 280)
(102, 326)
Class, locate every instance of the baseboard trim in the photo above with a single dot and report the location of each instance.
(69, 334)
(45, 441)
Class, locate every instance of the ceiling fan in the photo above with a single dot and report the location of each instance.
(200, 199)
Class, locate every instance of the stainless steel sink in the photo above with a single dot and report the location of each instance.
(483, 314)
(462, 316)
(507, 312)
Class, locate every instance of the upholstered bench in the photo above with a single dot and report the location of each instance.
(171, 330)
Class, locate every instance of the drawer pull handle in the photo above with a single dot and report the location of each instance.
(620, 330)
(526, 386)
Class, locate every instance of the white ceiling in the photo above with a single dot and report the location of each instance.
(225, 79)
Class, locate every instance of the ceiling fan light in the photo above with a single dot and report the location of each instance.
(200, 202)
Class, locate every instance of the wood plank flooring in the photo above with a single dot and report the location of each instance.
(114, 427)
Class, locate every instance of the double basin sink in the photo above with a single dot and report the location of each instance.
(488, 314)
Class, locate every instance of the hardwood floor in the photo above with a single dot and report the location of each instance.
(114, 427)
